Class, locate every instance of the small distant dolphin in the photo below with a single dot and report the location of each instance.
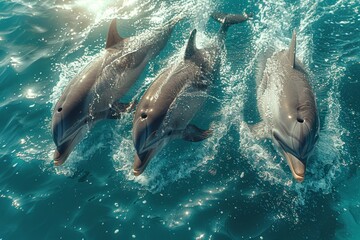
(288, 109)
(93, 94)
(170, 103)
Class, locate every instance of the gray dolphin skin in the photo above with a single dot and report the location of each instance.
(93, 94)
(166, 109)
(287, 107)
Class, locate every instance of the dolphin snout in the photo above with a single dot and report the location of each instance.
(292, 149)
(60, 158)
(141, 161)
(138, 166)
(297, 166)
(63, 150)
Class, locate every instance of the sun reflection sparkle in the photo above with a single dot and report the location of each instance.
(129, 2)
(92, 6)
(30, 94)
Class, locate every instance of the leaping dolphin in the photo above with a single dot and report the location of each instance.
(168, 106)
(288, 109)
(93, 94)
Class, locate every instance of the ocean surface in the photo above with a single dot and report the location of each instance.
(230, 186)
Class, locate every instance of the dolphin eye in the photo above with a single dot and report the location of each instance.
(143, 115)
(300, 120)
(59, 109)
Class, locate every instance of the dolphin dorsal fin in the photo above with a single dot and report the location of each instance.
(292, 50)
(113, 36)
(190, 47)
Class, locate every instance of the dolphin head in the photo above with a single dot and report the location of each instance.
(69, 125)
(295, 137)
(147, 139)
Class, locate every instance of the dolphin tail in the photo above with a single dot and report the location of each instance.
(229, 19)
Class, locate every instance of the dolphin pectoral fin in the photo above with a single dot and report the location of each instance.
(194, 134)
(113, 36)
(259, 130)
(292, 50)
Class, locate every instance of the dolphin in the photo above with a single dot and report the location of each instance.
(288, 109)
(94, 93)
(168, 106)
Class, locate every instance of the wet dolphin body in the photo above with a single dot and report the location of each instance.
(93, 94)
(170, 103)
(288, 109)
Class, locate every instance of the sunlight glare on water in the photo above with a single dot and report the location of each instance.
(93, 6)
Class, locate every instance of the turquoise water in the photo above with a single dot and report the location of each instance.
(230, 186)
